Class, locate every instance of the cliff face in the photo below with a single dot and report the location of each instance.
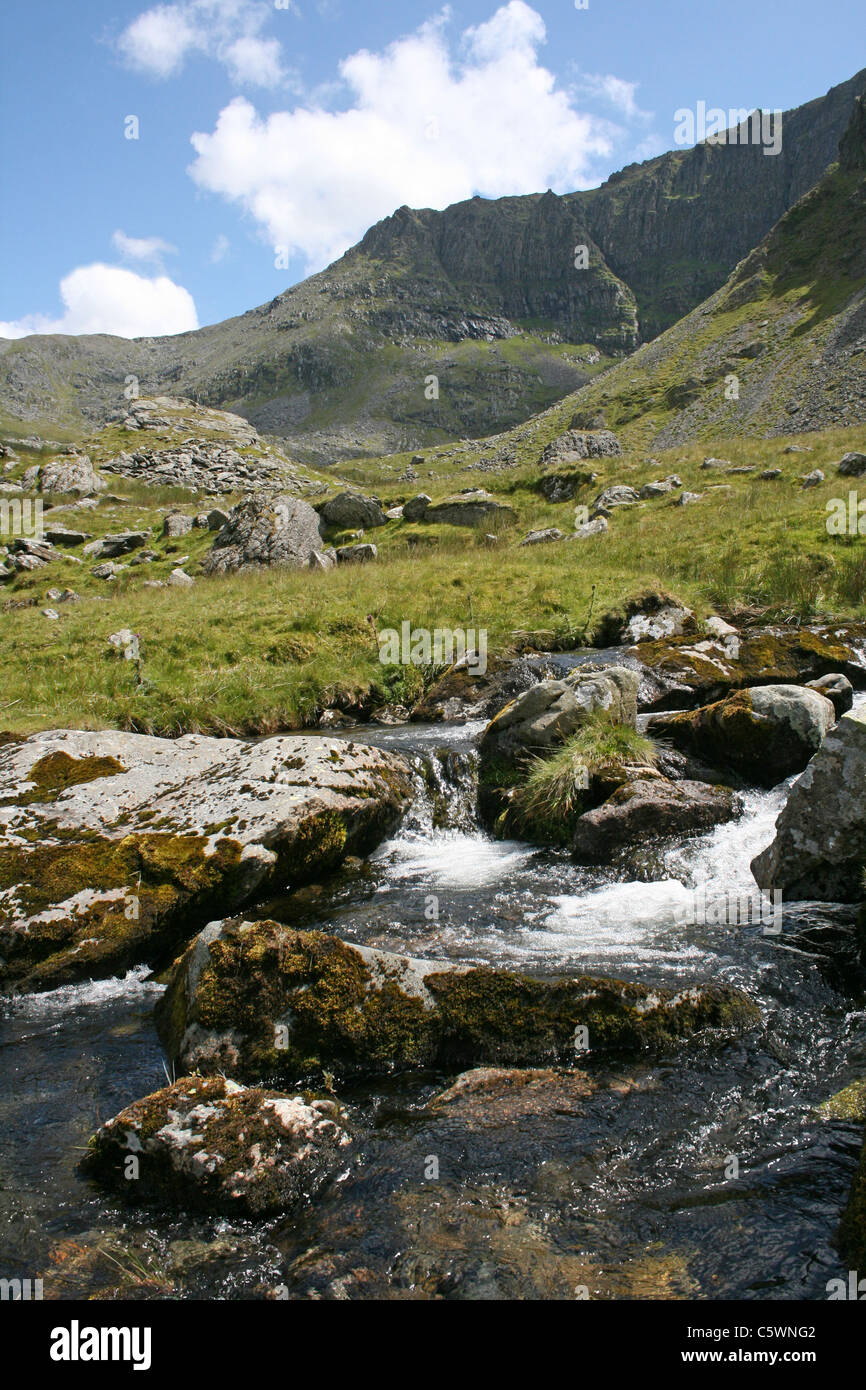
(485, 297)
(780, 348)
(674, 228)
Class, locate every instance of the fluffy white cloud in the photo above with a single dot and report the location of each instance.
(159, 41)
(108, 299)
(151, 248)
(425, 125)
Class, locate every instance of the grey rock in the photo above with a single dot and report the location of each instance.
(650, 809)
(414, 510)
(550, 712)
(619, 495)
(852, 465)
(353, 509)
(819, 847)
(813, 479)
(356, 554)
(122, 543)
(177, 524)
(263, 532)
(552, 533)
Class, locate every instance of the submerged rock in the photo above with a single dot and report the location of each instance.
(214, 1145)
(766, 733)
(258, 999)
(819, 849)
(647, 809)
(115, 847)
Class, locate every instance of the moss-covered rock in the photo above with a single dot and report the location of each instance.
(216, 1146)
(115, 847)
(766, 733)
(259, 1000)
(682, 671)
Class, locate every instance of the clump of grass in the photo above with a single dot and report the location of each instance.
(557, 789)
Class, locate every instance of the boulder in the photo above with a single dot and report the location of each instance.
(61, 535)
(819, 848)
(852, 465)
(680, 671)
(769, 475)
(766, 733)
(74, 474)
(581, 444)
(837, 688)
(414, 510)
(177, 524)
(260, 999)
(647, 809)
(551, 711)
(356, 554)
(660, 488)
(589, 528)
(215, 1146)
(179, 579)
(617, 496)
(261, 532)
(667, 620)
(561, 487)
(351, 509)
(468, 509)
(122, 543)
(552, 533)
(813, 479)
(115, 847)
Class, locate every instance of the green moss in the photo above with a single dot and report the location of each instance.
(57, 772)
(337, 1011)
(157, 875)
(852, 1232)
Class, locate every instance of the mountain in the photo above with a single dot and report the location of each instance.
(484, 297)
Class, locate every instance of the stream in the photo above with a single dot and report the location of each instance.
(704, 1175)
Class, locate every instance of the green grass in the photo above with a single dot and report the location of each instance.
(262, 652)
(555, 789)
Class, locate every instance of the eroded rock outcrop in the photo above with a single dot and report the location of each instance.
(115, 847)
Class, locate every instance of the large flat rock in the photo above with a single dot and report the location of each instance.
(115, 847)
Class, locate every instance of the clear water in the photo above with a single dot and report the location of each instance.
(628, 1195)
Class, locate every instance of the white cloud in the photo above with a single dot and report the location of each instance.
(151, 248)
(220, 249)
(614, 90)
(108, 299)
(424, 126)
(159, 41)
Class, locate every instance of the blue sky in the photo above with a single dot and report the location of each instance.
(271, 133)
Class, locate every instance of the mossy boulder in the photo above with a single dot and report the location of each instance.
(260, 1000)
(115, 848)
(681, 671)
(217, 1146)
(766, 733)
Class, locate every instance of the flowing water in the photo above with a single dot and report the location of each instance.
(703, 1175)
